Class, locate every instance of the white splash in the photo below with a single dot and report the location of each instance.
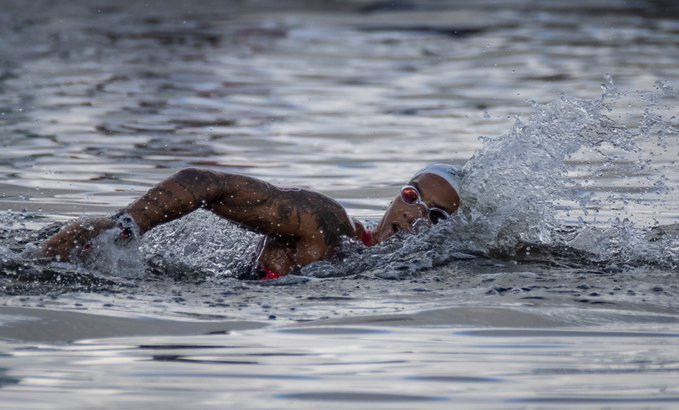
(519, 186)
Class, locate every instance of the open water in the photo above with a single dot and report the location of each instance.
(553, 287)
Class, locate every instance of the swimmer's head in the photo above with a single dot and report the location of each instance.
(450, 173)
(430, 196)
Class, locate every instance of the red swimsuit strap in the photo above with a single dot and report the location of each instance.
(367, 238)
(270, 275)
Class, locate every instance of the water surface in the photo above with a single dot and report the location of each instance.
(554, 286)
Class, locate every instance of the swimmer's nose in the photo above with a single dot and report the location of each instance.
(413, 213)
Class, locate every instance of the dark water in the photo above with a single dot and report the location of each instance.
(555, 286)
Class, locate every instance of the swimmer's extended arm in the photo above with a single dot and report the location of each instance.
(74, 236)
(249, 202)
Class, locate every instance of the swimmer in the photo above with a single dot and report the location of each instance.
(299, 226)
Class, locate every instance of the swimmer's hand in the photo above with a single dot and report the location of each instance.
(73, 238)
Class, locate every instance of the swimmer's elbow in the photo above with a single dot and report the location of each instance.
(194, 174)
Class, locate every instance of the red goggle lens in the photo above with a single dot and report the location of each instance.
(410, 195)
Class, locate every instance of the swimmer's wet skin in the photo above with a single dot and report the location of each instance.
(299, 226)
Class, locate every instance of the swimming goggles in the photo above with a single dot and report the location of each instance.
(411, 196)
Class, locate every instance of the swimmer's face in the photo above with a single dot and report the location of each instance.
(404, 212)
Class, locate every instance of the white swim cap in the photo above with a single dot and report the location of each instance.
(450, 173)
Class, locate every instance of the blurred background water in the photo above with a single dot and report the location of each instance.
(555, 287)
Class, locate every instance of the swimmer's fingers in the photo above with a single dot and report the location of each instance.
(74, 237)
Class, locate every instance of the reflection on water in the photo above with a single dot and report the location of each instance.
(99, 100)
(429, 367)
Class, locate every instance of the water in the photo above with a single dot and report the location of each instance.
(348, 366)
(553, 287)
